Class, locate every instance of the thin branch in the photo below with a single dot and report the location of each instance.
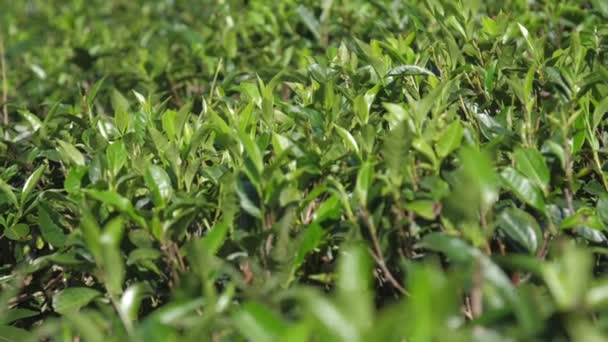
(377, 254)
(477, 291)
(4, 80)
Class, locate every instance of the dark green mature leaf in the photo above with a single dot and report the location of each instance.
(51, 232)
(523, 188)
(409, 70)
(70, 300)
(532, 165)
(521, 227)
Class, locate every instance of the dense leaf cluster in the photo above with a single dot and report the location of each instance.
(259, 170)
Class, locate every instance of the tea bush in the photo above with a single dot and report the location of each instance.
(419, 170)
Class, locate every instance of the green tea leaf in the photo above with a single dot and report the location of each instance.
(449, 140)
(116, 155)
(532, 165)
(159, 183)
(70, 300)
(18, 231)
(51, 232)
(115, 200)
(598, 113)
(409, 70)
(121, 111)
(523, 188)
(309, 240)
(71, 153)
(521, 227)
(364, 182)
(31, 183)
(347, 138)
(8, 192)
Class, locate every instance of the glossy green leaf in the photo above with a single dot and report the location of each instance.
(347, 138)
(31, 182)
(364, 182)
(525, 190)
(521, 227)
(159, 183)
(409, 70)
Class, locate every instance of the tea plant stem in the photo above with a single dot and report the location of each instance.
(377, 253)
(4, 80)
(477, 291)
